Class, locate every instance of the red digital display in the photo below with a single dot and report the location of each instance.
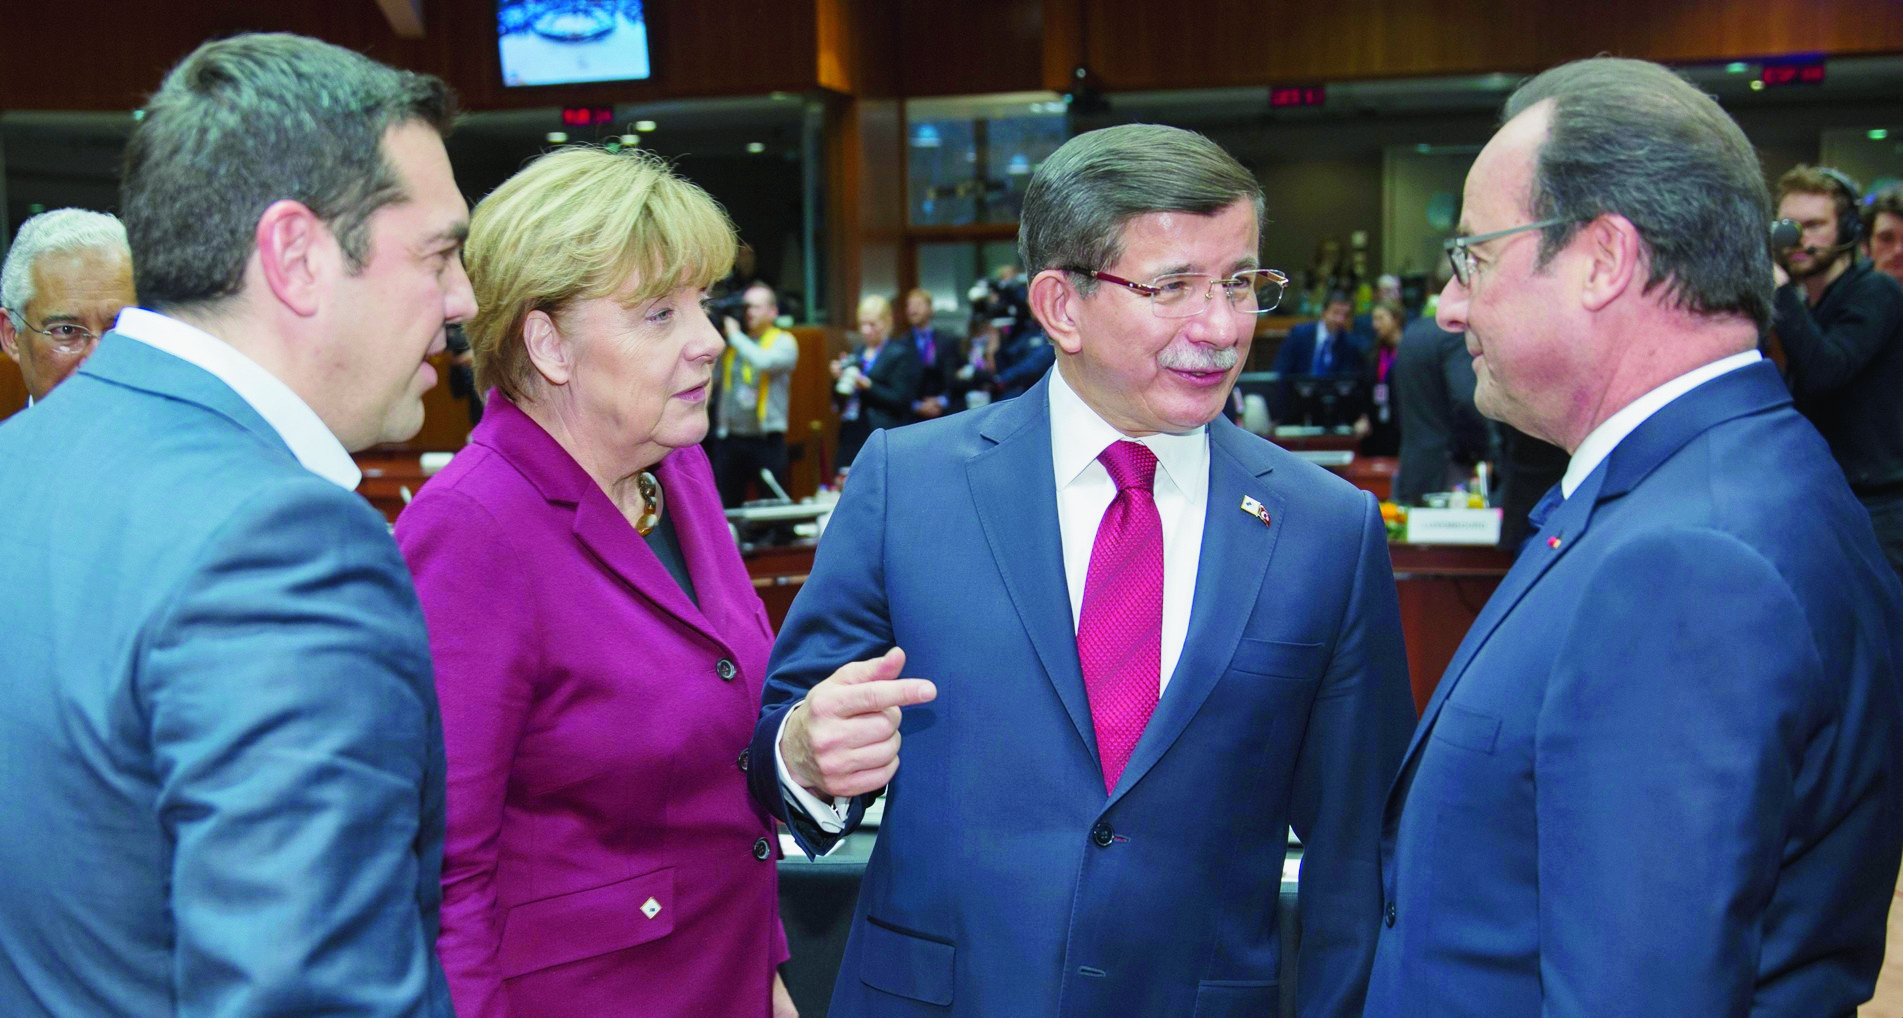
(1283, 96)
(1809, 73)
(587, 116)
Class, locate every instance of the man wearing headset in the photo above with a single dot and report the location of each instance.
(1841, 324)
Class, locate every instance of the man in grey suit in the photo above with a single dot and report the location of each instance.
(1442, 435)
(222, 759)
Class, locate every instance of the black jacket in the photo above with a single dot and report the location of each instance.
(1845, 369)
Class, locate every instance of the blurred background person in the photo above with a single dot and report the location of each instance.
(940, 356)
(1379, 427)
(1325, 348)
(1883, 231)
(599, 648)
(874, 381)
(755, 380)
(1442, 433)
(66, 277)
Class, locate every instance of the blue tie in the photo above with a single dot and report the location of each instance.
(1321, 354)
(1537, 516)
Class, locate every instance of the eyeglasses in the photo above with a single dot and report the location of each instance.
(67, 337)
(1249, 292)
(1462, 259)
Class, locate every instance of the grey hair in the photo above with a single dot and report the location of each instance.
(254, 119)
(1631, 138)
(61, 231)
(1080, 199)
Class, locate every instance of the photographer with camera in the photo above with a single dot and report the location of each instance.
(1841, 324)
(755, 379)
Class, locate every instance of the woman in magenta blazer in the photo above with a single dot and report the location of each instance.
(599, 648)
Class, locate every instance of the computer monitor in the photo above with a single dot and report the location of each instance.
(564, 42)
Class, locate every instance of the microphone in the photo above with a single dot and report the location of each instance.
(1786, 235)
(771, 482)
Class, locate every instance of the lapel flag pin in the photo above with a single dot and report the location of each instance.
(1255, 509)
(1553, 542)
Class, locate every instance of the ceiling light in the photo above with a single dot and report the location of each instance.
(1878, 134)
(1737, 67)
(1757, 84)
(630, 140)
(644, 126)
(556, 137)
(756, 147)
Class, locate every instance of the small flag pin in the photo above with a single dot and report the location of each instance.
(1553, 542)
(1255, 509)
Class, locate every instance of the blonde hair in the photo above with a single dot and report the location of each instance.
(577, 224)
(875, 304)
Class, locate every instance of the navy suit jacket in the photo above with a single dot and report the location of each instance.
(1296, 357)
(221, 762)
(1003, 881)
(1660, 776)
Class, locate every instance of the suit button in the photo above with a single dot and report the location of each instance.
(1392, 914)
(742, 762)
(761, 850)
(725, 670)
(1101, 834)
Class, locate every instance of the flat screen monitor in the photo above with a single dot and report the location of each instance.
(564, 42)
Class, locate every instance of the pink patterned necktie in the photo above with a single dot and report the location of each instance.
(1120, 629)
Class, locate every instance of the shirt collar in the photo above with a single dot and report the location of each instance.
(1079, 434)
(1613, 430)
(293, 419)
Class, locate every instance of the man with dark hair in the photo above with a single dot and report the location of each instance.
(66, 278)
(1163, 642)
(755, 376)
(1326, 348)
(1883, 231)
(1840, 321)
(940, 356)
(1660, 775)
(223, 755)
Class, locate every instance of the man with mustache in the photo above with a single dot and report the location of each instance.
(1160, 643)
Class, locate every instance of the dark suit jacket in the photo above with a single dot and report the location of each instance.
(1003, 882)
(888, 402)
(1433, 384)
(1296, 357)
(936, 377)
(222, 760)
(1663, 774)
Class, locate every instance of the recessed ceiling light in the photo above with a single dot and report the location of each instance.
(556, 137)
(630, 140)
(644, 126)
(756, 147)
(1878, 134)
(1757, 84)
(1737, 67)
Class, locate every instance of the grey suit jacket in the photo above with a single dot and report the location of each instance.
(221, 762)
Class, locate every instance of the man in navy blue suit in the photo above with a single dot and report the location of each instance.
(1661, 774)
(1092, 814)
(1328, 347)
(221, 762)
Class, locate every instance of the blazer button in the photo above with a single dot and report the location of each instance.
(761, 850)
(1101, 834)
(1392, 914)
(742, 762)
(725, 670)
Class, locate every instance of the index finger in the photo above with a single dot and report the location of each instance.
(873, 697)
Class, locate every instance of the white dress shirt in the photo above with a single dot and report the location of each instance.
(1613, 430)
(1084, 492)
(293, 419)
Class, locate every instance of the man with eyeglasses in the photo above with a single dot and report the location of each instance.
(66, 277)
(1661, 774)
(1147, 644)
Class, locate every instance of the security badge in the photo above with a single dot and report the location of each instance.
(1255, 509)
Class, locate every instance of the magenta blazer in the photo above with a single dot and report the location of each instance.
(602, 857)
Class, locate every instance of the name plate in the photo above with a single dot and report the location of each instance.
(1453, 526)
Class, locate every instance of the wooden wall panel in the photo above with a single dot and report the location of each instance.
(1691, 31)
(971, 47)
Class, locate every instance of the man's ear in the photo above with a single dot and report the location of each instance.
(1055, 303)
(9, 340)
(552, 355)
(297, 255)
(1615, 260)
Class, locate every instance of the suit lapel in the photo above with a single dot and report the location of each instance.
(1018, 513)
(1237, 552)
(1748, 390)
(601, 528)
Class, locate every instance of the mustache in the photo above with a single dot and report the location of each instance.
(1192, 358)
